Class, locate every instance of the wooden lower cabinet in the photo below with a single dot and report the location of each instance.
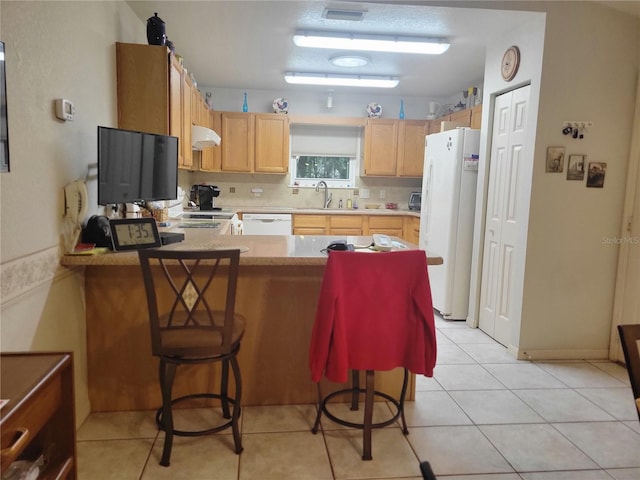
(345, 225)
(39, 419)
(401, 226)
(392, 226)
(310, 224)
(412, 230)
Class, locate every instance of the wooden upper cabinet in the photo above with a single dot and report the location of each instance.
(271, 143)
(476, 116)
(394, 147)
(254, 142)
(143, 83)
(463, 117)
(185, 138)
(154, 95)
(175, 104)
(411, 148)
(211, 158)
(434, 126)
(237, 141)
(381, 146)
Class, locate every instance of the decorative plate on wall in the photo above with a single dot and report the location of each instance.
(280, 105)
(374, 110)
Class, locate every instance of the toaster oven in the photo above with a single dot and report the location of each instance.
(415, 201)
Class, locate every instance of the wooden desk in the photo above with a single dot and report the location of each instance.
(39, 418)
(278, 287)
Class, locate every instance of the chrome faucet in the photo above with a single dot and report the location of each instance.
(327, 196)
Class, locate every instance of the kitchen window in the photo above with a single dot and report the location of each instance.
(338, 171)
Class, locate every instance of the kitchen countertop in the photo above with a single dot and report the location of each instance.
(325, 211)
(256, 249)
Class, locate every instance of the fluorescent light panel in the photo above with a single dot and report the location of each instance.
(371, 43)
(341, 80)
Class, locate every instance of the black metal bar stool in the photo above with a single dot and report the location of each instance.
(188, 328)
(374, 314)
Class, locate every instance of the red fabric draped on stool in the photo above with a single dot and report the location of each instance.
(374, 313)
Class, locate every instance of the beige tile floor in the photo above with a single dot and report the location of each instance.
(483, 416)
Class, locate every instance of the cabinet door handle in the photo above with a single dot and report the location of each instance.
(20, 442)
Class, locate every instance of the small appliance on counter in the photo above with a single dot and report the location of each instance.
(203, 196)
(415, 201)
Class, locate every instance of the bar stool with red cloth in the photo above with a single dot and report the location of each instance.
(374, 313)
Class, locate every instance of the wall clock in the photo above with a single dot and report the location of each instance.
(510, 63)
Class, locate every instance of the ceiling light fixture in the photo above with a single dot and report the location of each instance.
(341, 80)
(350, 60)
(372, 43)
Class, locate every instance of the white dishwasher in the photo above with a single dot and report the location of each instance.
(266, 223)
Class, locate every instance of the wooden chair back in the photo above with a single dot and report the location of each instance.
(191, 298)
(630, 339)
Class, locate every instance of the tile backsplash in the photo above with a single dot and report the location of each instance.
(238, 190)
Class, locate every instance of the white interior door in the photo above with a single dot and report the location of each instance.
(504, 219)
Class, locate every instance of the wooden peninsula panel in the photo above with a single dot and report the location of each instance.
(278, 290)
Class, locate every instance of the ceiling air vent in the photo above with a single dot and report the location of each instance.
(337, 14)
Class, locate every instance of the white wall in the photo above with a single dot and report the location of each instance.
(588, 72)
(53, 50)
(570, 276)
(529, 37)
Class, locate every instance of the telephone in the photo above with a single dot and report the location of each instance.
(76, 203)
(340, 245)
(382, 242)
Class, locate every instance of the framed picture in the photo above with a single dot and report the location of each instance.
(595, 176)
(4, 130)
(575, 167)
(555, 159)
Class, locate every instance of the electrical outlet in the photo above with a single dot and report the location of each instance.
(383, 194)
(295, 191)
(232, 189)
(356, 192)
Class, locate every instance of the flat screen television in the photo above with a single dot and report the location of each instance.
(136, 166)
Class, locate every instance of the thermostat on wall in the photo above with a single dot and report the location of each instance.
(65, 109)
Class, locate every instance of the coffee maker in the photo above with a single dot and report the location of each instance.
(203, 196)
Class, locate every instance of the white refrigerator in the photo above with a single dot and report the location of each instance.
(446, 216)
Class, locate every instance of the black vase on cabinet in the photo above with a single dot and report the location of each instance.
(156, 32)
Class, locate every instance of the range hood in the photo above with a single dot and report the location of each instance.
(203, 137)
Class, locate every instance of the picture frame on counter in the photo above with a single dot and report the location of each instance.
(575, 167)
(555, 159)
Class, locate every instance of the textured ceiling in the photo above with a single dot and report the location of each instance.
(248, 44)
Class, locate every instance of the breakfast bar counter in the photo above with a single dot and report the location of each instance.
(278, 288)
